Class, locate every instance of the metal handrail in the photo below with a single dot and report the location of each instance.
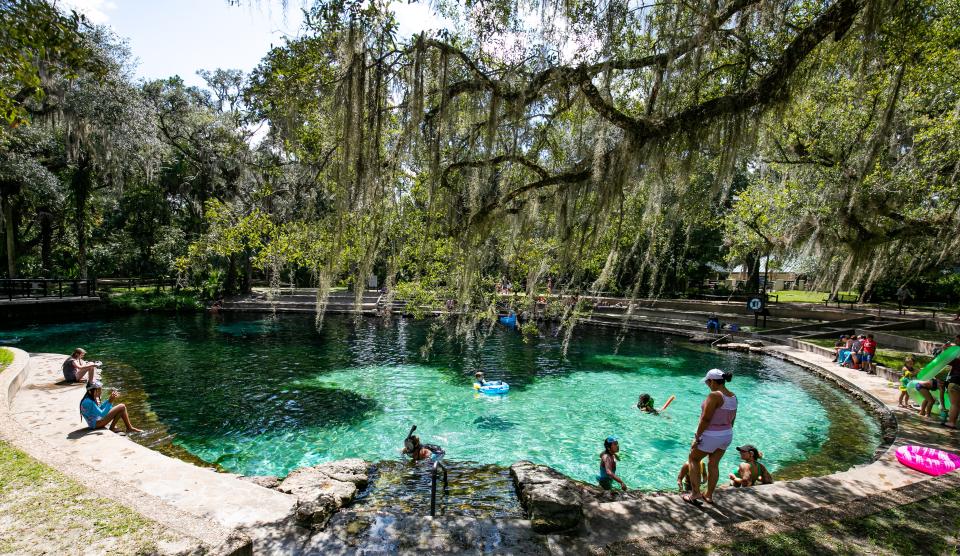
(433, 485)
(46, 287)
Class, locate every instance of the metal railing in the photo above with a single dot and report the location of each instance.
(113, 284)
(433, 485)
(37, 288)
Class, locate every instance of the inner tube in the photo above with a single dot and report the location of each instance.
(509, 321)
(492, 387)
(928, 460)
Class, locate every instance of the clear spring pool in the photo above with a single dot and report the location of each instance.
(263, 396)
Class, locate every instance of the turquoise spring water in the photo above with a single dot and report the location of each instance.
(263, 396)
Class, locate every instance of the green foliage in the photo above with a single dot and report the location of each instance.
(37, 44)
(6, 357)
(605, 147)
(180, 301)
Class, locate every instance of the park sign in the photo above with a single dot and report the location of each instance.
(755, 304)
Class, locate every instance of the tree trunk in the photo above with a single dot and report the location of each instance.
(81, 193)
(9, 231)
(230, 284)
(248, 273)
(46, 242)
(752, 268)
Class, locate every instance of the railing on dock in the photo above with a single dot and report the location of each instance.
(38, 288)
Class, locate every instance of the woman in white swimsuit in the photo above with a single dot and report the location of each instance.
(714, 435)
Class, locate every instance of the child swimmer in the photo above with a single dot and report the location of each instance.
(645, 404)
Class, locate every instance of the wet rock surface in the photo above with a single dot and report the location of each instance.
(552, 501)
(323, 489)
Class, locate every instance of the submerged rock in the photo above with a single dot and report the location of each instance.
(323, 489)
(551, 500)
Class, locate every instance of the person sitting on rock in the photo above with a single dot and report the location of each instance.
(683, 479)
(99, 414)
(75, 368)
(421, 452)
(751, 471)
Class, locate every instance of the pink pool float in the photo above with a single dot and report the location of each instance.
(929, 460)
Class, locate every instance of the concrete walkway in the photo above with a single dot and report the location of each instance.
(49, 409)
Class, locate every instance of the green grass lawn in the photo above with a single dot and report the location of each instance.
(800, 296)
(890, 358)
(928, 335)
(45, 512)
(929, 526)
(6, 357)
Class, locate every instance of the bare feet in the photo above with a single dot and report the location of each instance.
(134, 429)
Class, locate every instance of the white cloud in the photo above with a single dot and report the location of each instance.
(95, 10)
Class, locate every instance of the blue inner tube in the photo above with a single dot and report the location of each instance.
(510, 321)
(492, 387)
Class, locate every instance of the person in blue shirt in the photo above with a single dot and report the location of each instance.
(99, 414)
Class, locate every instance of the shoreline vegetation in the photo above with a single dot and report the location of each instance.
(150, 300)
(6, 357)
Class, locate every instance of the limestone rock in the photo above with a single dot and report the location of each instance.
(551, 500)
(352, 470)
(266, 481)
(754, 343)
(700, 339)
(323, 489)
(736, 346)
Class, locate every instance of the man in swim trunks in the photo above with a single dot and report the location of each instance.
(953, 389)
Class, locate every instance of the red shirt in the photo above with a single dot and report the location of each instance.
(869, 346)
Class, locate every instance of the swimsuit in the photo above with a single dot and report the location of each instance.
(719, 433)
(754, 474)
(69, 370)
(606, 482)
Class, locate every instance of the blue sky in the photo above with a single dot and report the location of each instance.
(179, 37)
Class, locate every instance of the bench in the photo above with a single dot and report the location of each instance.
(849, 298)
(932, 307)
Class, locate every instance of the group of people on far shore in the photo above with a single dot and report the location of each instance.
(97, 413)
(856, 352)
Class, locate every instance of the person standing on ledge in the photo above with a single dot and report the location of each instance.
(75, 368)
(714, 435)
(608, 464)
(99, 414)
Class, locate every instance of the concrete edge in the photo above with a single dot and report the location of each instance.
(722, 535)
(212, 537)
